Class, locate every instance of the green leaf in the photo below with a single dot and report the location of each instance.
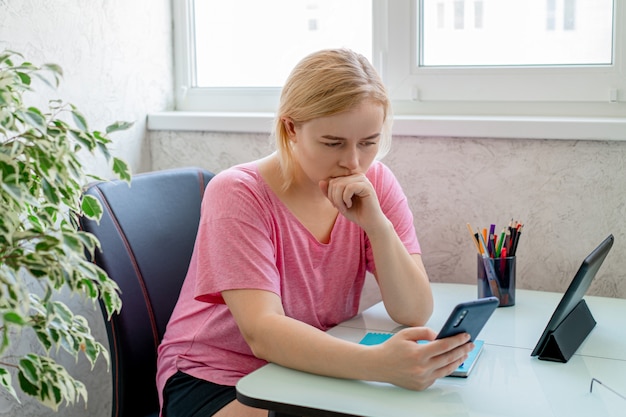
(27, 386)
(101, 139)
(91, 207)
(90, 242)
(91, 350)
(71, 240)
(112, 304)
(56, 393)
(118, 126)
(34, 119)
(55, 104)
(47, 243)
(83, 139)
(24, 77)
(50, 192)
(7, 54)
(14, 317)
(46, 338)
(56, 71)
(5, 381)
(5, 340)
(63, 312)
(28, 368)
(89, 287)
(79, 119)
(68, 342)
(13, 190)
(53, 68)
(46, 80)
(122, 169)
(54, 335)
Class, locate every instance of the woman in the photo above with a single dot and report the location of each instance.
(283, 247)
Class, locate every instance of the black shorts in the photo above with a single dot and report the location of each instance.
(187, 396)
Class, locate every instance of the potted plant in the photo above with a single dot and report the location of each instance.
(41, 196)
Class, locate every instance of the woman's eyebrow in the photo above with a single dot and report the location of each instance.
(331, 137)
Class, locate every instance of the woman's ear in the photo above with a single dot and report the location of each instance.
(290, 127)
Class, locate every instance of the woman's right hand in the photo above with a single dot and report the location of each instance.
(404, 362)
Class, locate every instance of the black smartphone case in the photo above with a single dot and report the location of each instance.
(469, 317)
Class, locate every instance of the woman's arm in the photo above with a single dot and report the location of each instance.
(401, 361)
(402, 278)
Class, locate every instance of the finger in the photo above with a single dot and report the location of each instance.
(455, 356)
(348, 193)
(451, 367)
(457, 340)
(418, 333)
(444, 351)
(324, 187)
(337, 189)
(328, 189)
(360, 190)
(335, 193)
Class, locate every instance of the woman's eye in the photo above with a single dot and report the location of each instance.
(368, 143)
(332, 144)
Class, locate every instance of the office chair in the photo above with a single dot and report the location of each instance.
(147, 233)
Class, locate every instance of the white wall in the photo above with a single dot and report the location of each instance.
(117, 60)
(116, 56)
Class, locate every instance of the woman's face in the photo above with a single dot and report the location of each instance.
(339, 145)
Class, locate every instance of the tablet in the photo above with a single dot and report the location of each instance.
(576, 290)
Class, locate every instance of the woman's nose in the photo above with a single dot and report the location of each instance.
(350, 158)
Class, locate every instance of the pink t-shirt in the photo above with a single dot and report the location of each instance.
(247, 238)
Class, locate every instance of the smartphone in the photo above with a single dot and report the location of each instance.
(469, 317)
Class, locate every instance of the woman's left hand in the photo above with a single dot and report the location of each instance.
(355, 198)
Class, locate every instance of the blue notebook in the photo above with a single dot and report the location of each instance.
(462, 371)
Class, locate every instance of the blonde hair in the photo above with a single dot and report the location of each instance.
(322, 84)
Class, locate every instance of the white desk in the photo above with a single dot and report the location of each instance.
(506, 381)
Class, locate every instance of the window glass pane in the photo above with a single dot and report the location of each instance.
(251, 43)
(516, 32)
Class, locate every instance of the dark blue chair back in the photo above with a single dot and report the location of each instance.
(147, 234)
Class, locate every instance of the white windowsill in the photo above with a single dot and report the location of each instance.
(592, 128)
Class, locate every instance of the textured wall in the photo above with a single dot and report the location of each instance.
(117, 60)
(116, 56)
(569, 194)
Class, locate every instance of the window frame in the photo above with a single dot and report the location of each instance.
(416, 106)
(504, 91)
(190, 98)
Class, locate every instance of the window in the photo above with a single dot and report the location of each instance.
(262, 45)
(513, 33)
(241, 51)
(437, 57)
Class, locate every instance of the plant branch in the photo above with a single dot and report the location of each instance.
(41, 195)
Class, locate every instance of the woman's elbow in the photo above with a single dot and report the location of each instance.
(414, 317)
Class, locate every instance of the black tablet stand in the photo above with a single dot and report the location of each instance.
(569, 334)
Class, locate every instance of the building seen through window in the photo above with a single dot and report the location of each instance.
(515, 32)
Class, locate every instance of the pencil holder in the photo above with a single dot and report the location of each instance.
(503, 283)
